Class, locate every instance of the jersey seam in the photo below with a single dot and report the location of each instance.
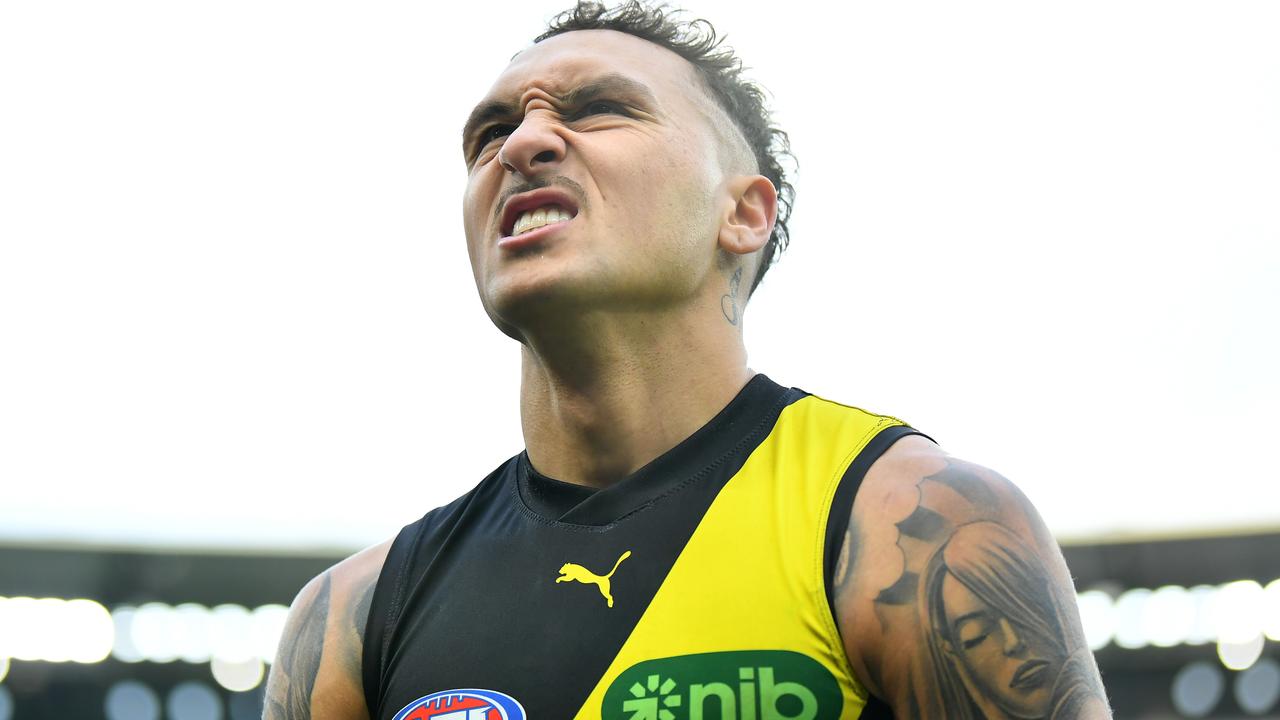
(892, 420)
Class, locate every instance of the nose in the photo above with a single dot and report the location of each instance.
(533, 147)
(1013, 644)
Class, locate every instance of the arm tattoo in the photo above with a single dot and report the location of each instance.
(848, 557)
(357, 622)
(298, 661)
(729, 301)
(997, 636)
(845, 582)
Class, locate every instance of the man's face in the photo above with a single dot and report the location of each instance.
(612, 136)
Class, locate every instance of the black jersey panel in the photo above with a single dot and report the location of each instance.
(496, 595)
(390, 589)
(385, 591)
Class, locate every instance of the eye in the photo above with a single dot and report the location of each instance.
(493, 132)
(972, 632)
(600, 107)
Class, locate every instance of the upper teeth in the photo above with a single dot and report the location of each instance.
(531, 219)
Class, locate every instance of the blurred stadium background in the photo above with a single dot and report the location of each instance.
(238, 339)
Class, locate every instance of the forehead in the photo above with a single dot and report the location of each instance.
(957, 599)
(558, 64)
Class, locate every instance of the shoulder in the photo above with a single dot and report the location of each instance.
(954, 593)
(344, 590)
(916, 487)
(318, 661)
(912, 503)
(915, 473)
(354, 578)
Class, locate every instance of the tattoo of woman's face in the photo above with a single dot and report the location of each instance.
(998, 637)
(1013, 666)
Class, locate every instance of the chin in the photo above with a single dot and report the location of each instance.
(515, 305)
(1027, 708)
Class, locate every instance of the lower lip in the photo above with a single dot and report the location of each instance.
(1033, 676)
(531, 238)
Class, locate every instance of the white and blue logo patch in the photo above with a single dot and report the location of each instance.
(470, 704)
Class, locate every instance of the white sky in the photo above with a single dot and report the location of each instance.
(236, 309)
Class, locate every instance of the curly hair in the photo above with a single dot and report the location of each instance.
(697, 42)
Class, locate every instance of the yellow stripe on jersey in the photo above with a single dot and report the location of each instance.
(741, 627)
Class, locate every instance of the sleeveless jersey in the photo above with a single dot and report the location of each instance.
(698, 588)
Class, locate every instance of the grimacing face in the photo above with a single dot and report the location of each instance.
(1015, 668)
(622, 137)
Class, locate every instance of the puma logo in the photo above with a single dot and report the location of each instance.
(577, 573)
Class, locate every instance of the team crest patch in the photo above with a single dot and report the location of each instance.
(470, 704)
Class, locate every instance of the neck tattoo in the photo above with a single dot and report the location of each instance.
(729, 301)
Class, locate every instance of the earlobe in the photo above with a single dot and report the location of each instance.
(748, 222)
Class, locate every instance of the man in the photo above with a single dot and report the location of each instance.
(682, 538)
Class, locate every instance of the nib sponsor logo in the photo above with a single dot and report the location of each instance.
(652, 700)
(747, 685)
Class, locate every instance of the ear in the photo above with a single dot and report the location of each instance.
(947, 648)
(748, 221)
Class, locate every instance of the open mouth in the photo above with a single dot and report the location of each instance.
(532, 210)
(540, 217)
(1030, 675)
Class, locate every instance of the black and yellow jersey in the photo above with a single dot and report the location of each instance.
(698, 588)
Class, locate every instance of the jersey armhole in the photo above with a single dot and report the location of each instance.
(842, 502)
(838, 524)
(384, 612)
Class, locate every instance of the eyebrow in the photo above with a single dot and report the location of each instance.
(607, 84)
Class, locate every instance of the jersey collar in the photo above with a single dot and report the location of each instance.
(725, 435)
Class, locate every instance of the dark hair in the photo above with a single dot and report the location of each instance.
(721, 71)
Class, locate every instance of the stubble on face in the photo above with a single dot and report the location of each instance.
(648, 178)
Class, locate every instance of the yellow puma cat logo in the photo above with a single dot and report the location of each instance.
(573, 571)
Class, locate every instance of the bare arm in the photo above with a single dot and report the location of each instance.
(317, 671)
(953, 599)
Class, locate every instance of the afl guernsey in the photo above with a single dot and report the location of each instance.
(698, 588)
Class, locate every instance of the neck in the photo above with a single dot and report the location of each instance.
(602, 397)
